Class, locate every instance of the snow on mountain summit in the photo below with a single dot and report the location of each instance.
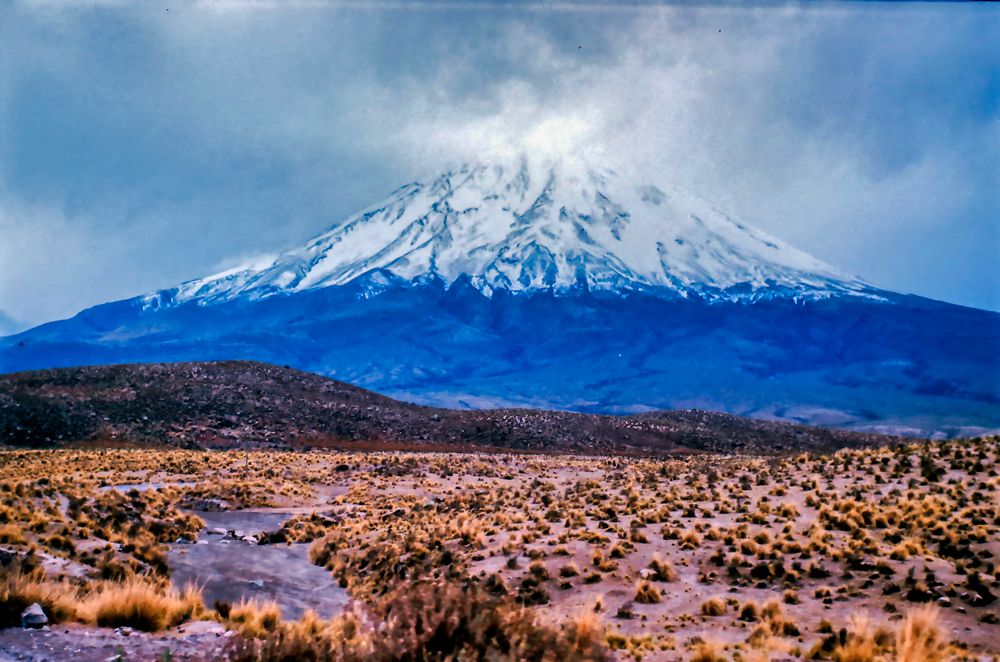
(522, 227)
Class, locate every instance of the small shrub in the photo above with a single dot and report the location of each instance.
(255, 619)
(569, 570)
(538, 570)
(750, 612)
(708, 651)
(646, 594)
(713, 607)
(663, 571)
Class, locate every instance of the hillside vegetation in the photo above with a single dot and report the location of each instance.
(244, 404)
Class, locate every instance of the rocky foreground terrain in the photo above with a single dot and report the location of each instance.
(871, 555)
(239, 404)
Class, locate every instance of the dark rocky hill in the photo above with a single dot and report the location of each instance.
(247, 404)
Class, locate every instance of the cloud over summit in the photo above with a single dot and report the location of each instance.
(168, 142)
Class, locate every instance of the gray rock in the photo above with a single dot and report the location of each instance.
(6, 557)
(34, 617)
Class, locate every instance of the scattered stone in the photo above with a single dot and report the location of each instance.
(34, 617)
(206, 505)
(6, 558)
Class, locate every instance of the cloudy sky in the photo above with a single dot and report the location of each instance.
(142, 144)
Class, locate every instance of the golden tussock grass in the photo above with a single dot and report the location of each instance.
(862, 644)
(141, 605)
(713, 607)
(663, 570)
(430, 621)
(137, 602)
(255, 618)
(921, 637)
(12, 534)
(646, 593)
(708, 651)
(59, 599)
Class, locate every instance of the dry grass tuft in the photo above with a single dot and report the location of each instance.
(141, 605)
(343, 639)
(860, 644)
(708, 651)
(138, 602)
(663, 571)
(921, 637)
(713, 607)
(647, 594)
(12, 534)
(431, 621)
(254, 618)
(59, 600)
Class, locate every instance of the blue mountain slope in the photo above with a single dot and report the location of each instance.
(911, 365)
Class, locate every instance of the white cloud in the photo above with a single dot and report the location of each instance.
(828, 126)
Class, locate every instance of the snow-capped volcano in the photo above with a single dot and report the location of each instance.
(523, 226)
(564, 286)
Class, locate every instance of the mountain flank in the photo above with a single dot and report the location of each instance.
(243, 404)
(561, 285)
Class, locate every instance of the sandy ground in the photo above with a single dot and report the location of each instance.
(195, 642)
(230, 570)
(714, 520)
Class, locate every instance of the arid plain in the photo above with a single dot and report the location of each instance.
(882, 553)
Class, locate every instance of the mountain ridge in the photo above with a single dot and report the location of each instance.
(525, 226)
(242, 404)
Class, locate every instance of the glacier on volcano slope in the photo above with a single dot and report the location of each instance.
(522, 226)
